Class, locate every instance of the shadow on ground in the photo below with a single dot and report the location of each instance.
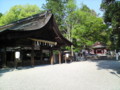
(112, 66)
(6, 70)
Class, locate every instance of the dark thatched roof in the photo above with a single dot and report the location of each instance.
(40, 26)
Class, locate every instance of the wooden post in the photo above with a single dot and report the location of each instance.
(65, 59)
(41, 54)
(41, 50)
(59, 56)
(32, 55)
(22, 57)
(12, 56)
(4, 57)
(51, 58)
(71, 50)
(15, 63)
(72, 54)
(14, 59)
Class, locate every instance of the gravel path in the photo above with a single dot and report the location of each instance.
(84, 75)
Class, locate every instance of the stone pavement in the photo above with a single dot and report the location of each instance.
(82, 75)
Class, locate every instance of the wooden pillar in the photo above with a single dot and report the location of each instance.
(72, 51)
(51, 57)
(32, 55)
(12, 56)
(15, 63)
(4, 57)
(65, 59)
(41, 50)
(14, 59)
(41, 54)
(60, 57)
(22, 58)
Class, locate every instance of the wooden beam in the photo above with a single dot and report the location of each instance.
(44, 41)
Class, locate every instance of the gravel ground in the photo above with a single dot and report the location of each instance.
(84, 75)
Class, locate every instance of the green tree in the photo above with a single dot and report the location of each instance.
(86, 27)
(111, 10)
(18, 12)
(69, 20)
(58, 9)
(1, 14)
(82, 25)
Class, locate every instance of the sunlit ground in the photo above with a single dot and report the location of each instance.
(82, 75)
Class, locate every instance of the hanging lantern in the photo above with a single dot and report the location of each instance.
(17, 55)
(51, 45)
(37, 43)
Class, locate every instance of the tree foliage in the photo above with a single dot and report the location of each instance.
(1, 14)
(84, 27)
(58, 9)
(111, 10)
(18, 12)
(91, 29)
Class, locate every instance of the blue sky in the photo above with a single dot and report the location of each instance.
(5, 5)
